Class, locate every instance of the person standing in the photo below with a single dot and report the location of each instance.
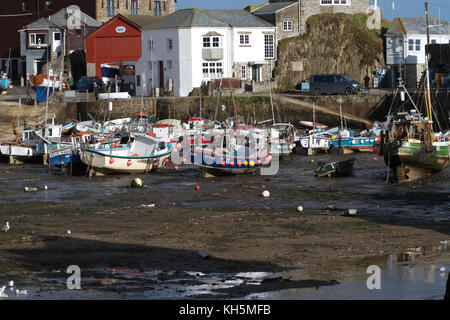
(367, 83)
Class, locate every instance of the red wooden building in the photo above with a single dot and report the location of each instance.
(117, 41)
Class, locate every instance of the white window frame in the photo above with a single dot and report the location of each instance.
(335, 2)
(269, 48)
(244, 40)
(418, 43)
(35, 44)
(169, 44)
(212, 70)
(244, 72)
(288, 25)
(212, 42)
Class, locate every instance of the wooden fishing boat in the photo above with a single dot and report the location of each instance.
(146, 153)
(337, 168)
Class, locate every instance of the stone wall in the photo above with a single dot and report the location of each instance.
(146, 7)
(313, 7)
(288, 14)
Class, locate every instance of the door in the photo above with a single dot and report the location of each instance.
(161, 74)
(56, 44)
(256, 73)
(330, 84)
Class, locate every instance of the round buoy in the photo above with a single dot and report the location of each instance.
(231, 164)
(178, 146)
(223, 163)
(258, 162)
(245, 163)
(166, 160)
(111, 161)
(155, 164)
(239, 163)
(184, 160)
(175, 168)
(136, 183)
(266, 194)
(129, 163)
(300, 209)
(175, 150)
(251, 164)
(352, 212)
(374, 159)
(197, 187)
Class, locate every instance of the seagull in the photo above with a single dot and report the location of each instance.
(45, 187)
(2, 294)
(6, 227)
(443, 269)
(68, 232)
(21, 292)
(11, 283)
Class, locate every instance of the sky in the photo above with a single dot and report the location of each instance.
(403, 8)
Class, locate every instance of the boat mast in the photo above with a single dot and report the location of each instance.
(427, 76)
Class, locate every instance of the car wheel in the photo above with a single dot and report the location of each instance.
(348, 91)
(317, 92)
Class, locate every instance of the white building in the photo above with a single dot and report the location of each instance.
(405, 45)
(192, 46)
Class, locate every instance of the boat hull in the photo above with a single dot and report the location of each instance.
(411, 161)
(340, 168)
(22, 153)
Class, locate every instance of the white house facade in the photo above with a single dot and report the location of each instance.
(405, 45)
(191, 47)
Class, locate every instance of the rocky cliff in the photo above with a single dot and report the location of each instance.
(334, 43)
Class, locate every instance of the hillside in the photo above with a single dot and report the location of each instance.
(334, 43)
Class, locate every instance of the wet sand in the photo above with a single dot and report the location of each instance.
(115, 226)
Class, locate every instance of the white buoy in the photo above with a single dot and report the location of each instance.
(443, 269)
(28, 189)
(45, 187)
(352, 212)
(2, 292)
(136, 183)
(11, 283)
(6, 227)
(300, 209)
(68, 232)
(266, 194)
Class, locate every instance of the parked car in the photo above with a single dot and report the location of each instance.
(87, 84)
(333, 83)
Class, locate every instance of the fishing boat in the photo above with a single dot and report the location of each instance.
(44, 83)
(282, 139)
(409, 148)
(23, 149)
(337, 168)
(145, 153)
(66, 154)
(237, 152)
(347, 142)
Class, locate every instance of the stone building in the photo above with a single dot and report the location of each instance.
(106, 9)
(290, 16)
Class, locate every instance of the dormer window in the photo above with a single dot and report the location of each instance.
(212, 41)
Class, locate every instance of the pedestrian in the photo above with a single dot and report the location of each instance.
(367, 83)
(95, 91)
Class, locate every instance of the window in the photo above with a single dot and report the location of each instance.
(417, 44)
(57, 36)
(212, 70)
(169, 64)
(244, 72)
(288, 25)
(157, 11)
(216, 42)
(334, 2)
(433, 41)
(169, 44)
(269, 46)
(49, 4)
(118, 4)
(37, 39)
(410, 45)
(134, 7)
(110, 8)
(126, 4)
(244, 39)
(206, 42)
(25, 5)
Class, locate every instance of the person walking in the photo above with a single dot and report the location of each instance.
(367, 83)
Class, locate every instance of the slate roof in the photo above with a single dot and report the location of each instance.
(142, 20)
(187, 18)
(59, 19)
(418, 26)
(272, 8)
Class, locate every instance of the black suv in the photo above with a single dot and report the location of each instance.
(333, 83)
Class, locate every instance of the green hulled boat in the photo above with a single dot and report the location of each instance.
(338, 168)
